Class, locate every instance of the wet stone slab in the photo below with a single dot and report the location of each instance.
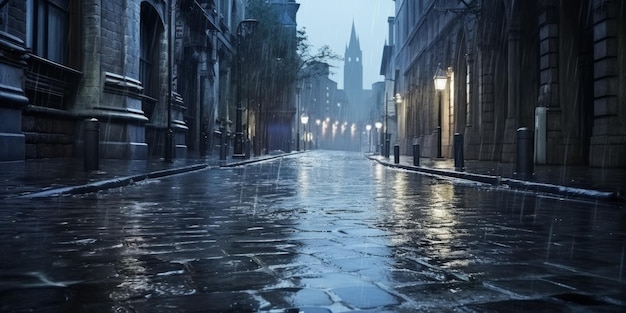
(215, 302)
(302, 271)
(589, 284)
(223, 265)
(516, 306)
(331, 280)
(366, 297)
(449, 294)
(485, 272)
(408, 277)
(527, 288)
(296, 298)
(238, 281)
(356, 264)
(591, 302)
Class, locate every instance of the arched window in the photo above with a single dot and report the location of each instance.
(49, 25)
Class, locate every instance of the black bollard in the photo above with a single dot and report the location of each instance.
(459, 162)
(396, 154)
(246, 148)
(91, 145)
(416, 154)
(524, 165)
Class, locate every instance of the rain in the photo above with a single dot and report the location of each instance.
(312, 156)
(320, 231)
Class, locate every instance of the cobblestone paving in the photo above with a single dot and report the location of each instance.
(317, 232)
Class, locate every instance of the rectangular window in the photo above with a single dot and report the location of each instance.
(47, 26)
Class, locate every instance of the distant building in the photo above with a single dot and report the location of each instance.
(357, 108)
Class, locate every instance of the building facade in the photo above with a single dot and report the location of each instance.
(553, 67)
(152, 72)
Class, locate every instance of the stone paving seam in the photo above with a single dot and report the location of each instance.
(512, 183)
(257, 160)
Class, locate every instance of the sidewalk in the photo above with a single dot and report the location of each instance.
(47, 177)
(568, 181)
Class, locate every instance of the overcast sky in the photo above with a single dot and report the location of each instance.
(329, 22)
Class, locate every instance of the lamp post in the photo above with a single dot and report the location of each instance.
(238, 149)
(368, 127)
(440, 79)
(298, 114)
(398, 101)
(378, 125)
(304, 119)
(385, 128)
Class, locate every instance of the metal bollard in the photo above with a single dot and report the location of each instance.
(524, 165)
(416, 154)
(91, 145)
(246, 148)
(459, 162)
(396, 154)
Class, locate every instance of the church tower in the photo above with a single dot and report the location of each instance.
(353, 71)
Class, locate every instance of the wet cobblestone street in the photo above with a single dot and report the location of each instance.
(316, 232)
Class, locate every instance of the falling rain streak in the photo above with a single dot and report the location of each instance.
(325, 230)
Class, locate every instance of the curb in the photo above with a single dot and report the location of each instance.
(129, 180)
(258, 160)
(112, 183)
(511, 183)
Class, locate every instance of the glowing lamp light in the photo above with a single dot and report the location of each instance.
(440, 79)
(304, 118)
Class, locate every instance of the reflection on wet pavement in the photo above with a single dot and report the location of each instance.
(317, 232)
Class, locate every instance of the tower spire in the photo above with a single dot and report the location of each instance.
(354, 39)
(353, 72)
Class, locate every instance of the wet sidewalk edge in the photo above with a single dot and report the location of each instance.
(511, 183)
(129, 180)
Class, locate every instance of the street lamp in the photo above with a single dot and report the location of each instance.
(441, 79)
(238, 149)
(298, 89)
(378, 125)
(304, 119)
(368, 127)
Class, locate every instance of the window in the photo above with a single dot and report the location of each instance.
(150, 32)
(47, 29)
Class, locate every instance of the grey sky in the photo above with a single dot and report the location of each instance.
(328, 22)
